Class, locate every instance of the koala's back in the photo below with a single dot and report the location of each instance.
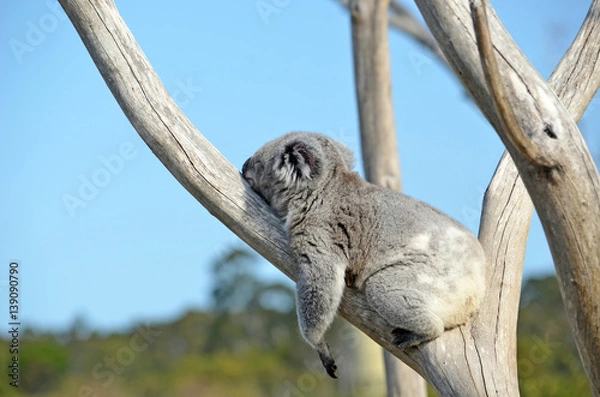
(422, 247)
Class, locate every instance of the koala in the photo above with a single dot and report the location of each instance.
(419, 269)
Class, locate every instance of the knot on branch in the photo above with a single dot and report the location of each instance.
(511, 129)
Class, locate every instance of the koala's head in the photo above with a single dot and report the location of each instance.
(294, 164)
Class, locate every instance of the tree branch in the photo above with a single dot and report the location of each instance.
(580, 66)
(558, 191)
(371, 55)
(508, 121)
(400, 18)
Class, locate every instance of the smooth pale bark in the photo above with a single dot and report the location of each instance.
(471, 360)
(402, 380)
(555, 165)
(378, 139)
(374, 92)
(402, 20)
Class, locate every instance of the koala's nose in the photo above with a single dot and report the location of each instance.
(245, 166)
(246, 174)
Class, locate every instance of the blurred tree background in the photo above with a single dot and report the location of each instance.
(248, 345)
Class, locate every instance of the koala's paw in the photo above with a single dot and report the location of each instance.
(404, 338)
(329, 364)
(331, 368)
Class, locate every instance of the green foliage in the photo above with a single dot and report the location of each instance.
(236, 288)
(45, 362)
(249, 345)
(547, 356)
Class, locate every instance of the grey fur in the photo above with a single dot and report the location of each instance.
(419, 269)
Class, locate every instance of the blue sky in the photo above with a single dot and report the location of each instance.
(137, 246)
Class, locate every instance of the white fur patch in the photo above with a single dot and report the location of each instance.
(421, 242)
(425, 279)
(287, 173)
(454, 234)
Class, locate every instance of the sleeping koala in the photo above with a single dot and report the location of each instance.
(419, 269)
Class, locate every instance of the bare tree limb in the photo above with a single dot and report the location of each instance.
(374, 92)
(507, 208)
(568, 202)
(466, 361)
(503, 232)
(571, 228)
(400, 18)
(404, 381)
(507, 117)
(580, 66)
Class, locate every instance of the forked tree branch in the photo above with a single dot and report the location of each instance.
(506, 114)
(466, 361)
(568, 200)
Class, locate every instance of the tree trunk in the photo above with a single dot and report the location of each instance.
(547, 148)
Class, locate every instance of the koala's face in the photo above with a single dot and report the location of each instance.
(286, 167)
(282, 168)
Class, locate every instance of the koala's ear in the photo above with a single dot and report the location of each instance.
(301, 159)
(346, 155)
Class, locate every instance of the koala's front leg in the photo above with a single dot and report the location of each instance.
(319, 291)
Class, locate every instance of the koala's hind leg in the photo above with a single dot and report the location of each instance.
(407, 309)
